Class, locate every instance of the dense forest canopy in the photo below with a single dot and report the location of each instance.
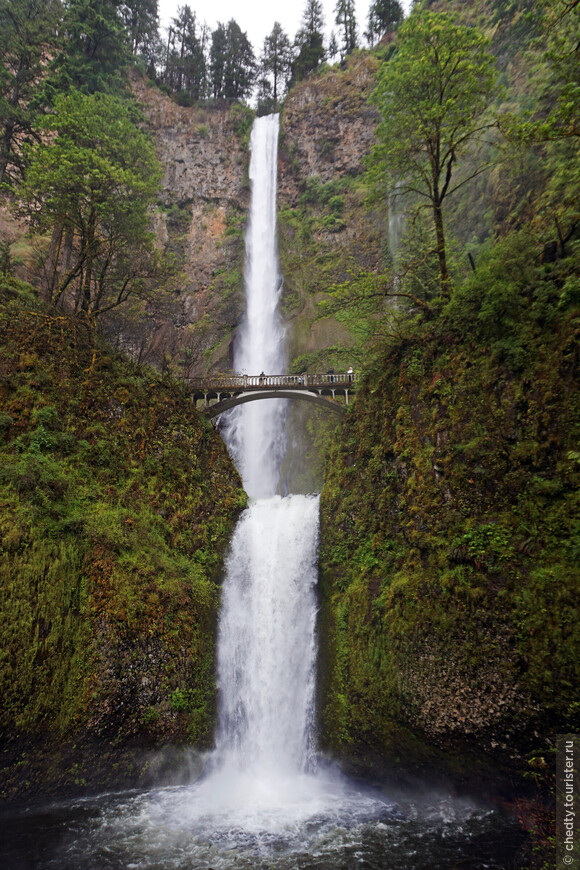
(64, 82)
(46, 47)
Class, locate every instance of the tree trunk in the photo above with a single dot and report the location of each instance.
(90, 253)
(51, 266)
(441, 250)
(6, 148)
(10, 126)
(66, 273)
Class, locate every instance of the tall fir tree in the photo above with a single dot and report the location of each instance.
(309, 45)
(27, 38)
(383, 19)
(276, 61)
(345, 17)
(186, 68)
(94, 50)
(232, 63)
(141, 20)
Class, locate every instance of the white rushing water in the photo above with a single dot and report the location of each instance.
(266, 639)
(254, 433)
(266, 643)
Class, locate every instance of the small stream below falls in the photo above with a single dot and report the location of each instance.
(266, 799)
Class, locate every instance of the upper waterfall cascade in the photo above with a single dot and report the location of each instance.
(255, 435)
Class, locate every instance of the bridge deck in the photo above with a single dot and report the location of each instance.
(235, 383)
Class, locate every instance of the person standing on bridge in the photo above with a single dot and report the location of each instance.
(261, 379)
(350, 374)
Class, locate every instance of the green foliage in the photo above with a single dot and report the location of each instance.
(243, 118)
(95, 181)
(547, 125)
(117, 504)
(384, 17)
(345, 17)
(309, 41)
(185, 63)
(93, 52)
(232, 62)
(29, 34)
(276, 63)
(317, 192)
(450, 537)
(431, 95)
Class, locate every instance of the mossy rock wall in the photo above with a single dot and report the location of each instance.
(326, 231)
(117, 501)
(450, 530)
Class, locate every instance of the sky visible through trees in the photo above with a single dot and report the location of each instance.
(257, 17)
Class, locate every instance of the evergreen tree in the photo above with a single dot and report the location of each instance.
(232, 63)
(186, 69)
(94, 50)
(333, 49)
(141, 19)
(217, 60)
(346, 19)
(27, 36)
(309, 41)
(384, 18)
(240, 64)
(276, 61)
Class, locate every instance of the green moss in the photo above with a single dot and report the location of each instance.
(450, 523)
(117, 503)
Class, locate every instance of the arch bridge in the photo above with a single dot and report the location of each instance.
(221, 392)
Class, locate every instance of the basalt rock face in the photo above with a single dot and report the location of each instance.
(201, 217)
(117, 503)
(449, 531)
(327, 126)
(326, 232)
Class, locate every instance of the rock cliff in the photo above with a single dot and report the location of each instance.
(449, 527)
(117, 503)
(201, 216)
(325, 230)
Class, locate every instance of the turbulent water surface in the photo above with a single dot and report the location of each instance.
(306, 822)
(265, 799)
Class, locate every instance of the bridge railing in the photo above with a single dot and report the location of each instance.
(242, 382)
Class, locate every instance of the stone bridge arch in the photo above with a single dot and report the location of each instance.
(328, 404)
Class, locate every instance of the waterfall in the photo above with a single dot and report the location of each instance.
(266, 639)
(254, 433)
(264, 783)
(262, 803)
(396, 224)
(266, 648)
(263, 779)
